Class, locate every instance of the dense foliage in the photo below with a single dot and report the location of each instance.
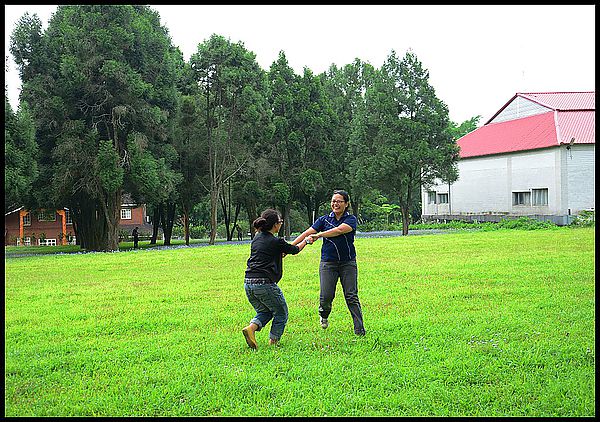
(20, 156)
(101, 84)
(215, 140)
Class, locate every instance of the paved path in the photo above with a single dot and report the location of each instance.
(358, 235)
(241, 242)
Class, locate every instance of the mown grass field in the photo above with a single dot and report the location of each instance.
(469, 324)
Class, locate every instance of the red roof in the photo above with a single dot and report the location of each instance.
(580, 125)
(571, 116)
(563, 100)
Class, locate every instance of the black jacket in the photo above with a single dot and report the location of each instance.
(265, 256)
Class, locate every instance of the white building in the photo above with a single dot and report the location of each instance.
(535, 157)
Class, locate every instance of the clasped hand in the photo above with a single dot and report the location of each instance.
(311, 238)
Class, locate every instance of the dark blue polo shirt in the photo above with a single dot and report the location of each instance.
(338, 248)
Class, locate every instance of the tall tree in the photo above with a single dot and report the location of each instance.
(190, 144)
(27, 46)
(281, 91)
(231, 204)
(233, 88)
(250, 195)
(20, 156)
(96, 77)
(458, 131)
(407, 125)
(312, 133)
(286, 146)
(346, 87)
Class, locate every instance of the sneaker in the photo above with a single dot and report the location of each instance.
(324, 322)
(250, 338)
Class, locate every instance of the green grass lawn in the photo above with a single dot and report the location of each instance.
(467, 324)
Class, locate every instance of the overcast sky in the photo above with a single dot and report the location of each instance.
(478, 57)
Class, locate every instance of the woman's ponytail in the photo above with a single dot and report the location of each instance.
(267, 220)
(259, 223)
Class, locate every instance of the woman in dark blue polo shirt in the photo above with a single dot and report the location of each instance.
(338, 258)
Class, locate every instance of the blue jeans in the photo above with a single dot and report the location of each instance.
(269, 303)
(347, 273)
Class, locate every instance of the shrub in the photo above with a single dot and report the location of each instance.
(585, 219)
(452, 224)
(521, 223)
(196, 232)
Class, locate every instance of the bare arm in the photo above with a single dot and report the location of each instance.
(336, 231)
(302, 244)
(305, 233)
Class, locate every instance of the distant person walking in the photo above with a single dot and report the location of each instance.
(239, 232)
(136, 238)
(263, 272)
(338, 259)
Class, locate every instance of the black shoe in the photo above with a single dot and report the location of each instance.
(360, 333)
(324, 322)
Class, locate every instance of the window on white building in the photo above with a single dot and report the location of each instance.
(125, 213)
(539, 196)
(431, 197)
(521, 198)
(442, 198)
(27, 219)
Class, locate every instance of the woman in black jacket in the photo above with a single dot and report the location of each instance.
(263, 272)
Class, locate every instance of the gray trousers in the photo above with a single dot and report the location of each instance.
(347, 273)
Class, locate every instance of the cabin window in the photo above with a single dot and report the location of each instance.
(521, 198)
(68, 218)
(44, 215)
(442, 198)
(539, 196)
(126, 214)
(27, 219)
(431, 197)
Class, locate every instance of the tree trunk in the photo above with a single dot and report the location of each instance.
(113, 217)
(168, 218)
(251, 212)
(355, 205)
(75, 228)
(238, 207)
(316, 211)
(156, 219)
(91, 230)
(186, 223)
(309, 210)
(405, 219)
(226, 207)
(286, 225)
(214, 202)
